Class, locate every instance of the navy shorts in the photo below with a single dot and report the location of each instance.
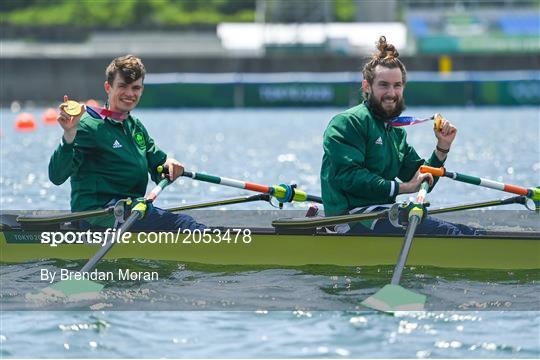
(429, 226)
(162, 220)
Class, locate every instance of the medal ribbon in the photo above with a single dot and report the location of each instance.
(102, 113)
(408, 120)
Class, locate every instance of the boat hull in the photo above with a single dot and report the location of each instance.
(273, 250)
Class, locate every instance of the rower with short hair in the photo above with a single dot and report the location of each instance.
(364, 154)
(109, 158)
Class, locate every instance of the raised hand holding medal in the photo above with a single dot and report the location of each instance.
(69, 117)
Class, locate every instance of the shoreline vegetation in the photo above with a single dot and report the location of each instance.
(146, 14)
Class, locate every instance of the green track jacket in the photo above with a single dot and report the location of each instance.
(107, 160)
(362, 158)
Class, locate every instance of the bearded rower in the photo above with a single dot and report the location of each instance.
(367, 161)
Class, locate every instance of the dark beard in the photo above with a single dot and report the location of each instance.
(376, 109)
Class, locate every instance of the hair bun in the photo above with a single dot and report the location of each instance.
(386, 51)
(386, 56)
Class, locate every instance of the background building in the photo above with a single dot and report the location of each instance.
(471, 52)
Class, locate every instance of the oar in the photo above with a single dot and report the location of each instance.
(283, 193)
(42, 219)
(531, 193)
(508, 201)
(61, 218)
(393, 297)
(309, 223)
(84, 288)
(231, 201)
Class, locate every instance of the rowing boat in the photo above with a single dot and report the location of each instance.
(272, 247)
(289, 243)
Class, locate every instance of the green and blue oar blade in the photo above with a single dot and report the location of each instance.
(392, 298)
(68, 290)
(82, 289)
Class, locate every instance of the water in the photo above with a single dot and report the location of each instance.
(270, 335)
(321, 317)
(275, 146)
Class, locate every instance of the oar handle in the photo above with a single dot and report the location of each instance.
(441, 171)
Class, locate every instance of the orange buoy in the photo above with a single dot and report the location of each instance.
(49, 116)
(92, 103)
(25, 122)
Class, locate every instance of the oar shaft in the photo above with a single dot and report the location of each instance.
(227, 182)
(415, 216)
(422, 193)
(514, 189)
(152, 195)
(308, 223)
(314, 198)
(60, 218)
(402, 260)
(236, 200)
(281, 193)
(513, 200)
(110, 243)
(137, 213)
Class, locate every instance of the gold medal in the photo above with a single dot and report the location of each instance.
(437, 125)
(72, 108)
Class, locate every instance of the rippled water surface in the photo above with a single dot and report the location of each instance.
(271, 334)
(274, 146)
(318, 313)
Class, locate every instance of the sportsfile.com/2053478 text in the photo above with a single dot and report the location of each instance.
(183, 237)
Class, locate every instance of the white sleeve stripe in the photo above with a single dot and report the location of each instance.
(392, 188)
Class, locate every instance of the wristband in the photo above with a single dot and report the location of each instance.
(444, 151)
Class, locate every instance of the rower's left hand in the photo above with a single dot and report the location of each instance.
(446, 135)
(174, 167)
